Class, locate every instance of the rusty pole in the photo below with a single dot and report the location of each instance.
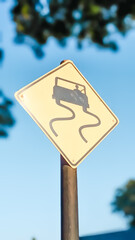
(69, 202)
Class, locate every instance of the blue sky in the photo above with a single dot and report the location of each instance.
(29, 163)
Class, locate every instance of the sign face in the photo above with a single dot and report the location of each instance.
(69, 111)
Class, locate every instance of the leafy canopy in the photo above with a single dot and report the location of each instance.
(124, 201)
(94, 20)
(6, 119)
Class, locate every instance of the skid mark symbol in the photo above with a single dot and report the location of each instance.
(61, 119)
(89, 125)
(75, 96)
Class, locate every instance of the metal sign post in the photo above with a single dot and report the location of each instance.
(69, 202)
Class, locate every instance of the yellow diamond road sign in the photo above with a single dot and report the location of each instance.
(69, 111)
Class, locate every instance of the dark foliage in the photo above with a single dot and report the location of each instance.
(6, 119)
(124, 201)
(94, 20)
(1, 55)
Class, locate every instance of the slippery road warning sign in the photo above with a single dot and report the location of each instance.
(69, 111)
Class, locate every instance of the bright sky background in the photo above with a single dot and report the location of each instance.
(29, 163)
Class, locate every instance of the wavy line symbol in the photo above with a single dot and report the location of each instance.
(76, 95)
(61, 119)
(89, 125)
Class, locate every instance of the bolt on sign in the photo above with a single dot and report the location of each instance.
(69, 111)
